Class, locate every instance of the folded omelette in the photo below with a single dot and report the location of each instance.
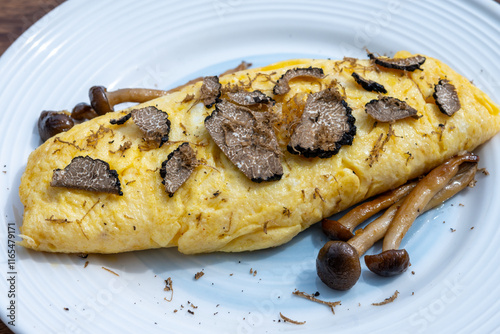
(217, 204)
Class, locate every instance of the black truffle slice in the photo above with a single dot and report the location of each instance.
(446, 97)
(282, 86)
(153, 122)
(121, 120)
(406, 64)
(245, 98)
(326, 124)
(87, 174)
(388, 109)
(369, 85)
(210, 90)
(247, 138)
(178, 167)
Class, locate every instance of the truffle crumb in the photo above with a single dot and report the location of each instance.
(369, 85)
(87, 174)
(210, 90)
(242, 66)
(282, 86)
(314, 299)
(111, 271)
(389, 109)
(326, 124)
(178, 167)
(446, 97)
(388, 300)
(169, 286)
(246, 98)
(406, 64)
(198, 275)
(247, 138)
(286, 319)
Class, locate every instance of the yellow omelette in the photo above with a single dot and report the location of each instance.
(218, 208)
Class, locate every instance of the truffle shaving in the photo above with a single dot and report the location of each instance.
(247, 138)
(326, 124)
(282, 86)
(446, 97)
(245, 98)
(121, 120)
(87, 174)
(210, 90)
(369, 85)
(406, 64)
(389, 109)
(178, 167)
(153, 122)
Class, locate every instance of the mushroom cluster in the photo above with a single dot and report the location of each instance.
(338, 264)
(51, 123)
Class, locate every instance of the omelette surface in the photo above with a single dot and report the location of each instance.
(218, 208)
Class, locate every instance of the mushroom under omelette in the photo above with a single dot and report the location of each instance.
(220, 203)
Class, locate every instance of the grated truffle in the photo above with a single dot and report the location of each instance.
(406, 64)
(388, 109)
(369, 85)
(153, 122)
(87, 174)
(178, 167)
(246, 98)
(210, 90)
(446, 97)
(326, 124)
(247, 138)
(282, 86)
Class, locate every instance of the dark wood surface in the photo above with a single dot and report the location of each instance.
(15, 17)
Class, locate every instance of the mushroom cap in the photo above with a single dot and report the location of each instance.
(338, 265)
(388, 263)
(99, 100)
(335, 230)
(51, 123)
(83, 111)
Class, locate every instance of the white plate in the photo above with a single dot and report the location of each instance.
(454, 287)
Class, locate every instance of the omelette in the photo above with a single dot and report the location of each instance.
(203, 188)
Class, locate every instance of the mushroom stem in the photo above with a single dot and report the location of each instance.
(420, 196)
(375, 231)
(342, 229)
(139, 95)
(365, 238)
(338, 261)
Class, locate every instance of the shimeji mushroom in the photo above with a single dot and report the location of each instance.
(393, 261)
(342, 229)
(51, 123)
(338, 263)
(103, 101)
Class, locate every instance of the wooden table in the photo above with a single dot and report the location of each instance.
(15, 17)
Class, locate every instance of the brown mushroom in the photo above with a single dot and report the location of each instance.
(342, 276)
(51, 123)
(342, 229)
(389, 262)
(338, 265)
(83, 111)
(103, 101)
